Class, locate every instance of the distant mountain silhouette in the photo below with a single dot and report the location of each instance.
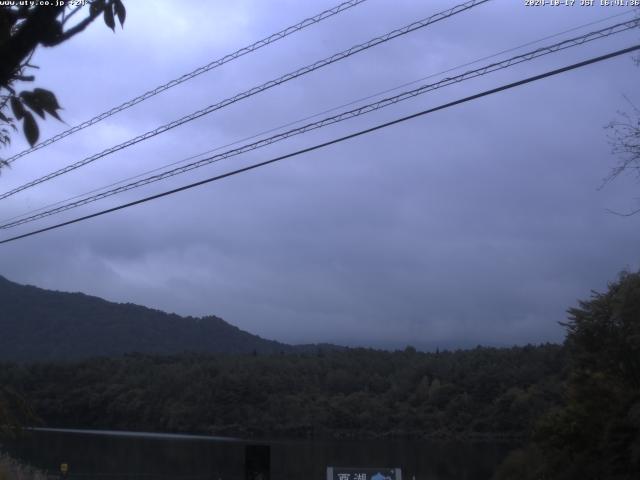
(42, 325)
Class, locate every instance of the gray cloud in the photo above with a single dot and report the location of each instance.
(479, 224)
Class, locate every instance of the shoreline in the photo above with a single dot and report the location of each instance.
(279, 438)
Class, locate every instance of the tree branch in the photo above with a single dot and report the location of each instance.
(73, 12)
(77, 28)
(35, 28)
(628, 214)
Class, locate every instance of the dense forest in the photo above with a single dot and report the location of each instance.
(484, 392)
(576, 407)
(595, 433)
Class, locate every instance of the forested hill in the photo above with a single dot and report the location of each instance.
(357, 393)
(45, 325)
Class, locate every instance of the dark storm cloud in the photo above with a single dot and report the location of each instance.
(478, 224)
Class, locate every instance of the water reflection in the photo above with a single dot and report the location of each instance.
(110, 455)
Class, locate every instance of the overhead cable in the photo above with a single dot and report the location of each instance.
(539, 52)
(253, 91)
(309, 117)
(198, 71)
(331, 142)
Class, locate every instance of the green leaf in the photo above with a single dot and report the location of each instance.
(48, 98)
(48, 101)
(30, 128)
(121, 12)
(41, 101)
(17, 107)
(31, 101)
(108, 18)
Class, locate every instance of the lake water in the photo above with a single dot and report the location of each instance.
(121, 455)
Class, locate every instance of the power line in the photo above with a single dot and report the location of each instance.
(255, 90)
(488, 57)
(542, 51)
(198, 71)
(309, 117)
(334, 141)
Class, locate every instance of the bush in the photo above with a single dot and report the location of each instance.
(10, 469)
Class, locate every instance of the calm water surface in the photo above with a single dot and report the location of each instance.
(122, 455)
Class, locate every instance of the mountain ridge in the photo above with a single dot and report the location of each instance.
(37, 324)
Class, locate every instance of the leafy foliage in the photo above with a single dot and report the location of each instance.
(482, 393)
(11, 469)
(596, 433)
(22, 29)
(310, 390)
(14, 411)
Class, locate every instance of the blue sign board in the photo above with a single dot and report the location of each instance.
(339, 473)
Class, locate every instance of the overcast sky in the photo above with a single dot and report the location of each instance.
(481, 223)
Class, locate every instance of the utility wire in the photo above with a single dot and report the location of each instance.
(542, 51)
(255, 90)
(334, 141)
(315, 115)
(198, 71)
